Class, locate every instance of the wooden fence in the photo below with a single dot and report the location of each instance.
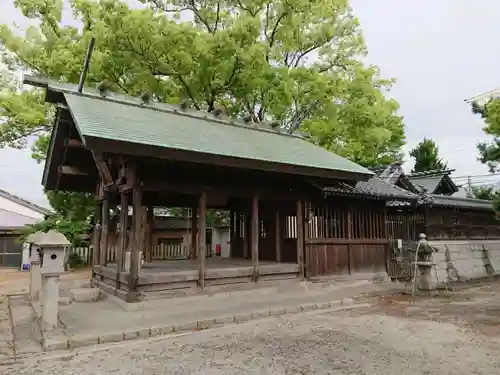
(160, 252)
(344, 238)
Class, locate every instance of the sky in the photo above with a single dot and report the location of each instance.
(439, 52)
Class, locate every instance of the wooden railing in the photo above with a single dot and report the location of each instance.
(160, 252)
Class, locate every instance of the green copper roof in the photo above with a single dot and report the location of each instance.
(167, 126)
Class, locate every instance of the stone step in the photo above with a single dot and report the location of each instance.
(85, 294)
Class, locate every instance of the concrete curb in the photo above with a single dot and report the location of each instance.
(79, 341)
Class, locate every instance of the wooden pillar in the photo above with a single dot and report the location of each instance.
(232, 233)
(300, 237)
(255, 234)
(194, 231)
(122, 249)
(202, 206)
(144, 232)
(149, 234)
(305, 216)
(246, 235)
(136, 233)
(105, 230)
(96, 260)
(277, 228)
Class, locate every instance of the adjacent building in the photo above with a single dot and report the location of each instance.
(15, 214)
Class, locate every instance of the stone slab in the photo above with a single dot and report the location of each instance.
(114, 324)
(85, 294)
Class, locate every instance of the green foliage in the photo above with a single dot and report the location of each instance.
(72, 217)
(490, 151)
(482, 192)
(75, 260)
(267, 58)
(426, 155)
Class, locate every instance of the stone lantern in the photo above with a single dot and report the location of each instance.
(424, 262)
(53, 247)
(35, 256)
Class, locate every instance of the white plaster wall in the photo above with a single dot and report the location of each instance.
(9, 205)
(221, 236)
(25, 262)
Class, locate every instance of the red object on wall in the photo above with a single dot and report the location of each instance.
(218, 250)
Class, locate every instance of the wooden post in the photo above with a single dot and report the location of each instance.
(202, 205)
(105, 230)
(349, 222)
(305, 216)
(120, 257)
(149, 234)
(194, 231)
(97, 235)
(246, 234)
(255, 234)
(300, 237)
(144, 232)
(136, 243)
(277, 225)
(232, 234)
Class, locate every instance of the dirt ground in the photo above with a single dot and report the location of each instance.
(451, 333)
(13, 281)
(473, 307)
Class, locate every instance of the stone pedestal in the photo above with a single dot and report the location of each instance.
(426, 277)
(425, 265)
(50, 302)
(35, 281)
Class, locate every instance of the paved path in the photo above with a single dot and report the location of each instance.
(13, 281)
(305, 343)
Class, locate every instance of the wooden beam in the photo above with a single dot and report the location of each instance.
(202, 205)
(71, 171)
(103, 169)
(247, 191)
(300, 237)
(105, 230)
(255, 234)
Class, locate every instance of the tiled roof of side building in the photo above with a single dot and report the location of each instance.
(12, 220)
(459, 202)
(24, 202)
(374, 188)
(123, 118)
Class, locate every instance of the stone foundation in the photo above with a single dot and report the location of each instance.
(466, 260)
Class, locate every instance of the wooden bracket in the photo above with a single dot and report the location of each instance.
(103, 169)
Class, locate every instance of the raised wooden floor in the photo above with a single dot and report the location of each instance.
(181, 277)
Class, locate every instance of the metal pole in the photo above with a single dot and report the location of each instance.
(86, 63)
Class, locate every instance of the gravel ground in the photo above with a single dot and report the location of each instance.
(347, 342)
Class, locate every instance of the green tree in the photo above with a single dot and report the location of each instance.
(271, 59)
(426, 155)
(73, 216)
(490, 151)
(482, 192)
